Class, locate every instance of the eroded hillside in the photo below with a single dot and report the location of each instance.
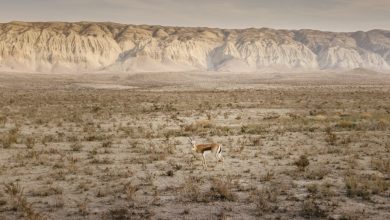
(111, 47)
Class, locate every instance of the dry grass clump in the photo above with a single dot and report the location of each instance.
(77, 146)
(130, 190)
(317, 173)
(121, 213)
(311, 208)
(255, 140)
(30, 142)
(10, 138)
(3, 120)
(221, 189)
(265, 199)
(331, 137)
(346, 125)
(381, 164)
(302, 162)
(199, 126)
(82, 207)
(253, 129)
(107, 144)
(47, 191)
(365, 186)
(5, 142)
(191, 189)
(19, 202)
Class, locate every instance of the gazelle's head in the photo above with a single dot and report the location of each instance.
(192, 142)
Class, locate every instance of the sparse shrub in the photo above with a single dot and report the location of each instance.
(5, 142)
(10, 138)
(130, 191)
(198, 126)
(381, 164)
(47, 191)
(365, 186)
(107, 144)
(191, 189)
(3, 120)
(118, 214)
(76, 146)
(311, 208)
(346, 125)
(59, 201)
(83, 207)
(104, 160)
(170, 173)
(49, 138)
(221, 190)
(317, 173)
(331, 137)
(302, 162)
(268, 176)
(19, 201)
(253, 129)
(30, 142)
(255, 141)
(265, 199)
(312, 188)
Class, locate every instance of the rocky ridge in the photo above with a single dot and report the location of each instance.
(110, 47)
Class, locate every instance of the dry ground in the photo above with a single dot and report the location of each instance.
(296, 146)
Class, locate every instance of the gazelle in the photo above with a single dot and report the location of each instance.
(213, 148)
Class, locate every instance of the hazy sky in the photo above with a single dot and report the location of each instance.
(336, 15)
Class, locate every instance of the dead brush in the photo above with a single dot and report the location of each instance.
(381, 164)
(76, 147)
(311, 208)
(130, 190)
(10, 138)
(265, 199)
(199, 126)
(221, 189)
(255, 141)
(19, 202)
(107, 144)
(121, 213)
(191, 189)
(316, 173)
(331, 138)
(346, 125)
(365, 186)
(3, 120)
(47, 191)
(30, 142)
(268, 176)
(82, 207)
(302, 162)
(5, 142)
(169, 147)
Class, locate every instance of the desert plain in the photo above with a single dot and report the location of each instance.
(114, 146)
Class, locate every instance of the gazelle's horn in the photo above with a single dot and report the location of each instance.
(189, 139)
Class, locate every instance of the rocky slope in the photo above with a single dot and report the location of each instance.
(110, 47)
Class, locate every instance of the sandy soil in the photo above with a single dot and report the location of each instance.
(111, 146)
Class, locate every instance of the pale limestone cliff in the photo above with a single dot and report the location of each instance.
(110, 47)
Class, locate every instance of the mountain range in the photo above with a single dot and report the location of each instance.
(62, 47)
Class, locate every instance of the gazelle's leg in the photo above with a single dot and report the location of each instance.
(204, 160)
(217, 156)
(219, 153)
